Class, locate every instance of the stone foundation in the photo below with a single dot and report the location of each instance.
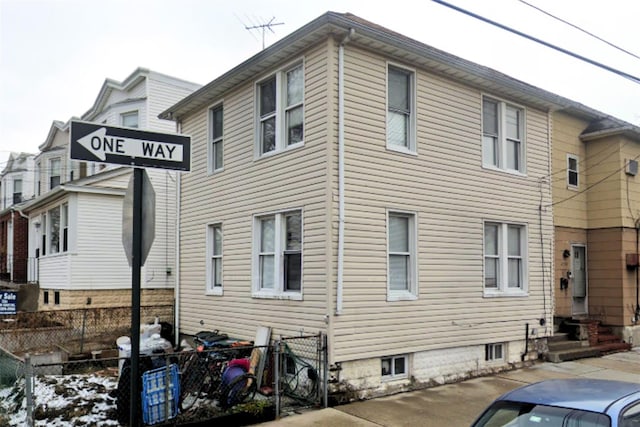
(362, 379)
(102, 298)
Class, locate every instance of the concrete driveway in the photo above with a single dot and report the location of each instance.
(459, 404)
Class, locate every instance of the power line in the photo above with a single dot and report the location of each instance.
(633, 78)
(580, 29)
(594, 184)
(589, 167)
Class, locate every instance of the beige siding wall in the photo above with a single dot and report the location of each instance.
(247, 186)
(571, 205)
(452, 194)
(605, 198)
(630, 149)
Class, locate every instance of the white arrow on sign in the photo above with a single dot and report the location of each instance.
(100, 144)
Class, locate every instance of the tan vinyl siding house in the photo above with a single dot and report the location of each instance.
(397, 227)
(596, 221)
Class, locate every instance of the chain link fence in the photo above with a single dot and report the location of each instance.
(74, 332)
(237, 384)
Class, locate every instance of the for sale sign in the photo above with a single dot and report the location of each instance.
(8, 302)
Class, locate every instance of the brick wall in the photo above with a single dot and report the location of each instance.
(20, 247)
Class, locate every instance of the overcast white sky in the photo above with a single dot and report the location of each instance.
(56, 54)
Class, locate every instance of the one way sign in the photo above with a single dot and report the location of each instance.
(95, 142)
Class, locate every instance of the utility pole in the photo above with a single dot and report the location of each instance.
(264, 27)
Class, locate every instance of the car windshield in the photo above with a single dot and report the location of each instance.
(518, 414)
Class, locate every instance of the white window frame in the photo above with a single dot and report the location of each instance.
(126, 114)
(501, 138)
(411, 293)
(64, 227)
(502, 288)
(216, 143)
(17, 193)
(53, 249)
(393, 375)
(212, 289)
(570, 171)
(37, 178)
(51, 171)
(280, 113)
(44, 237)
(495, 352)
(411, 147)
(278, 291)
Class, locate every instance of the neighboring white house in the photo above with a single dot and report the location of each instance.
(357, 182)
(16, 180)
(16, 186)
(75, 228)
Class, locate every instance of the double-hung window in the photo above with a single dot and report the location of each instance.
(129, 119)
(65, 227)
(505, 249)
(503, 145)
(402, 275)
(281, 110)
(215, 133)
(54, 173)
(214, 257)
(17, 191)
(54, 230)
(37, 178)
(400, 109)
(278, 254)
(572, 171)
(43, 241)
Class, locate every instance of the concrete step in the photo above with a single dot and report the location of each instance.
(571, 354)
(558, 336)
(564, 345)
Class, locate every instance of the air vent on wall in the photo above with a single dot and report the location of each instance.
(631, 167)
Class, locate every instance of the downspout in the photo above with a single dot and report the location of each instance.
(340, 285)
(177, 266)
(636, 316)
(20, 212)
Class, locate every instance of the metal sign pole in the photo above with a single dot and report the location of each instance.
(136, 264)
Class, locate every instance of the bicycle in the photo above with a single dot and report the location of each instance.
(214, 374)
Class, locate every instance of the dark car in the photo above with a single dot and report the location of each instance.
(566, 403)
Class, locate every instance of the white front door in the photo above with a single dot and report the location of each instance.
(578, 279)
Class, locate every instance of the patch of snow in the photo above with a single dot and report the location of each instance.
(62, 401)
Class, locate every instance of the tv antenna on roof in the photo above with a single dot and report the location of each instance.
(264, 27)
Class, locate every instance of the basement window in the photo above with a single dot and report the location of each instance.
(56, 297)
(45, 295)
(494, 352)
(394, 367)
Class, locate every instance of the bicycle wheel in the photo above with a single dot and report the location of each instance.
(241, 389)
(307, 382)
(191, 381)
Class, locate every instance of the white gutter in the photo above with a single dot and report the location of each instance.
(20, 212)
(339, 289)
(177, 266)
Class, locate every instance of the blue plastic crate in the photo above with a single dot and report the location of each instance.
(154, 393)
